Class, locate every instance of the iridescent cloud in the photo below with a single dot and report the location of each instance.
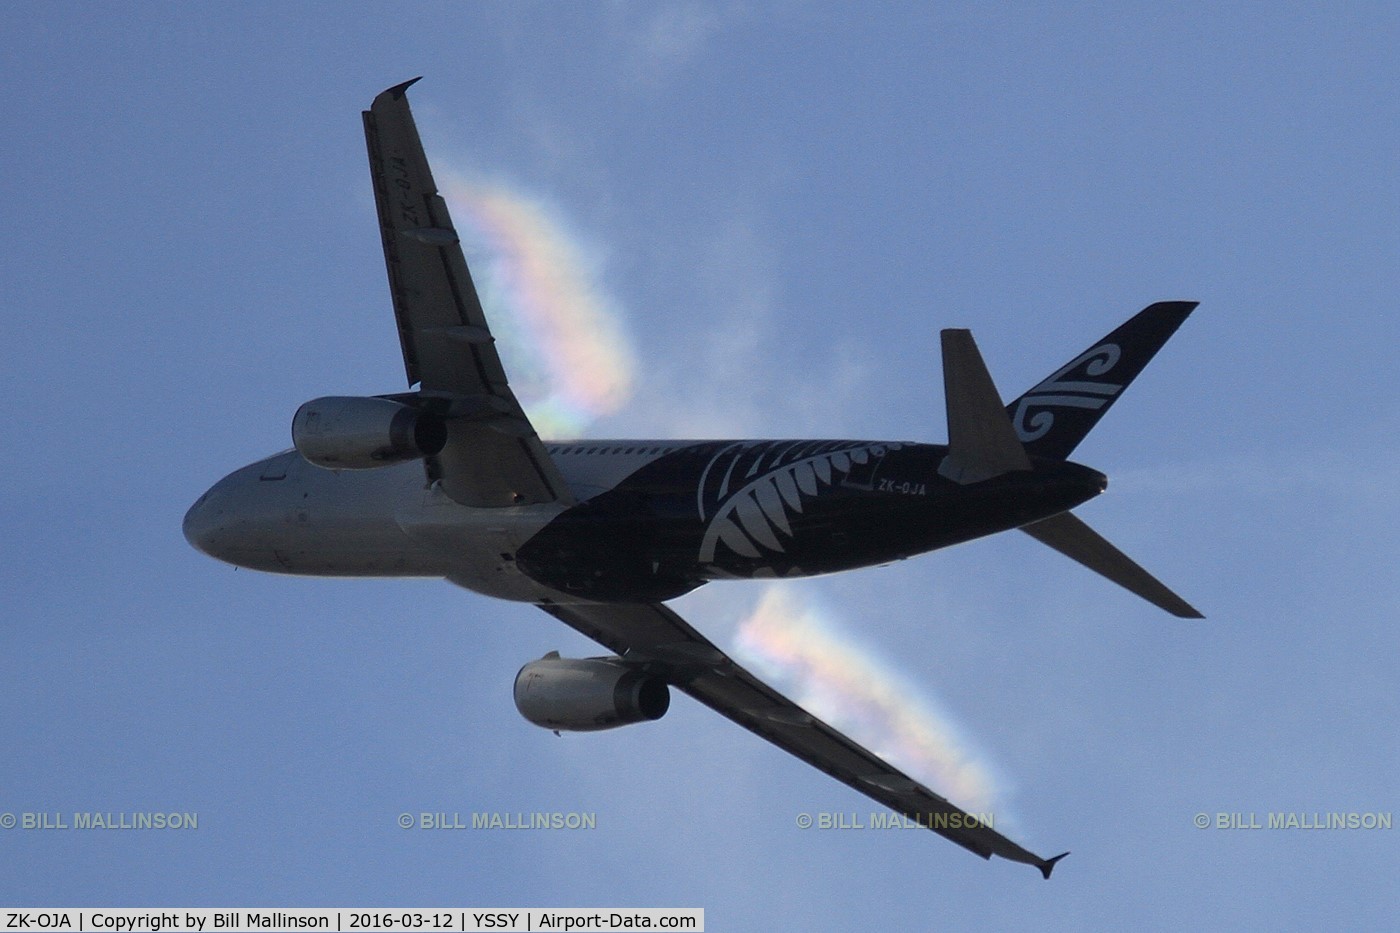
(560, 336)
(803, 651)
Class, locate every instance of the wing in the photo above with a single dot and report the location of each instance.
(493, 456)
(653, 634)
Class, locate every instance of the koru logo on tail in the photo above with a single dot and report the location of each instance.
(1064, 390)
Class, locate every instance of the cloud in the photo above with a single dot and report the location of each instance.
(801, 648)
(669, 39)
(562, 337)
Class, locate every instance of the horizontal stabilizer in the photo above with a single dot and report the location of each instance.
(1077, 541)
(981, 441)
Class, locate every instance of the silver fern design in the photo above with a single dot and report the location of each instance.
(750, 491)
(1060, 391)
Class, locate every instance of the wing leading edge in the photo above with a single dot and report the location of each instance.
(654, 635)
(493, 456)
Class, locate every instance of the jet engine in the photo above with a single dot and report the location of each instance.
(351, 433)
(585, 695)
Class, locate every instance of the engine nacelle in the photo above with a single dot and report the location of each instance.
(352, 433)
(585, 695)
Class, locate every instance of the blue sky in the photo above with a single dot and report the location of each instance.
(785, 202)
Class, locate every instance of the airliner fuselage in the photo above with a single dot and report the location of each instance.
(652, 520)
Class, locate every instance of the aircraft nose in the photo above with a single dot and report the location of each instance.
(201, 525)
(212, 525)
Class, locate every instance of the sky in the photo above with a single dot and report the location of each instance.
(773, 209)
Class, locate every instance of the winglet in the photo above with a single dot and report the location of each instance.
(397, 91)
(1048, 865)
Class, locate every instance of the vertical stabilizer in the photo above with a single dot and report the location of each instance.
(1054, 417)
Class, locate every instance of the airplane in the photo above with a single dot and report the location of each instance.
(450, 480)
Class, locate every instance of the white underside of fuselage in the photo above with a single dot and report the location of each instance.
(284, 515)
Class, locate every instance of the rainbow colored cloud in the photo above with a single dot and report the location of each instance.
(561, 337)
